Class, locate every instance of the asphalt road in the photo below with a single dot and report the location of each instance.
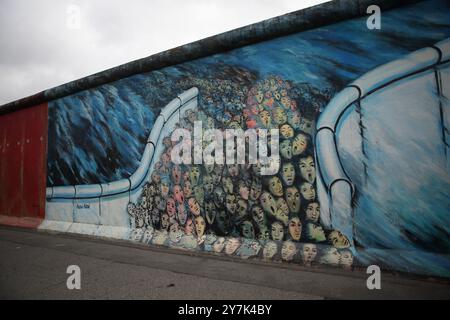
(33, 266)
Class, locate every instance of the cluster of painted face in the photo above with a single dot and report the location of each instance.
(223, 99)
(174, 203)
(288, 251)
(232, 208)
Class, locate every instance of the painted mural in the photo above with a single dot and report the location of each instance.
(233, 208)
(287, 84)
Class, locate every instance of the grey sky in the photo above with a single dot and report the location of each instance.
(43, 44)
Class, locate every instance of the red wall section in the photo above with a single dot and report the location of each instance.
(23, 155)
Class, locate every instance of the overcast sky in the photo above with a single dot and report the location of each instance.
(45, 43)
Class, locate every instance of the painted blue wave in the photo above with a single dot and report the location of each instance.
(99, 135)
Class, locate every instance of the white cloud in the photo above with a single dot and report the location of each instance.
(39, 51)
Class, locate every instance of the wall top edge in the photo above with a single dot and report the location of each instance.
(297, 21)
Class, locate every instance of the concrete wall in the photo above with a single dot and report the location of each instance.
(363, 141)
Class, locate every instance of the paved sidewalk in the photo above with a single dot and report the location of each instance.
(33, 266)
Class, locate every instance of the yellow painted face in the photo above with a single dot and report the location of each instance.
(286, 131)
(338, 239)
(277, 95)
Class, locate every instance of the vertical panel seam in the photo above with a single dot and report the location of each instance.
(438, 79)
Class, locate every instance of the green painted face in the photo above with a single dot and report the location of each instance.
(247, 230)
(241, 208)
(295, 120)
(194, 175)
(210, 211)
(228, 185)
(255, 189)
(307, 169)
(258, 215)
(286, 149)
(208, 185)
(299, 144)
(275, 186)
(268, 203)
(315, 232)
(230, 203)
(293, 199)
(264, 233)
(306, 125)
(199, 194)
(288, 173)
(209, 168)
(308, 192)
(282, 212)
